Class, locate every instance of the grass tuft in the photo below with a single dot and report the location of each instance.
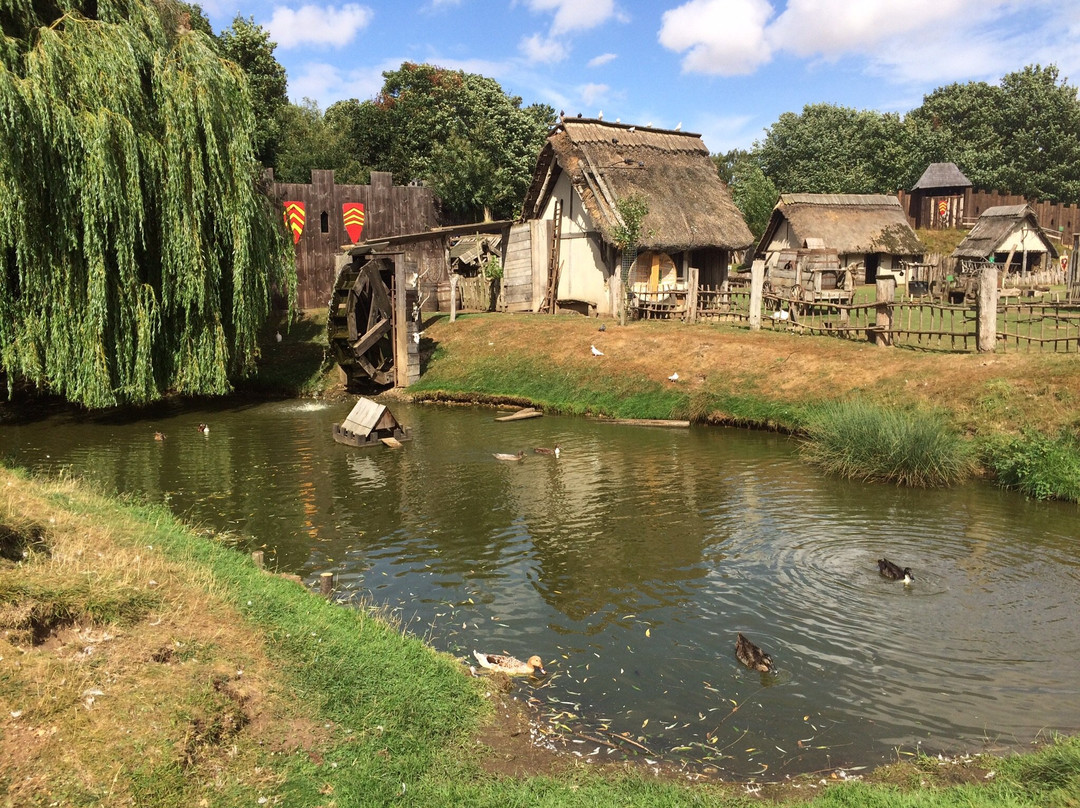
(858, 440)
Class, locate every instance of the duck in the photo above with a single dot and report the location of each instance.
(751, 656)
(894, 572)
(510, 665)
(159, 436)
(505, 456)
(204, 428)
(544, 450)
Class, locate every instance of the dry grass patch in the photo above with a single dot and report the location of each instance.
(125, 680)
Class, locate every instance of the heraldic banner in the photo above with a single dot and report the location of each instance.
(353, 213)
(294, 219)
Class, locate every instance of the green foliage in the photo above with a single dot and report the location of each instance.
(754, 194)
(1038, 465)
(632, 209)
(249, 46)
(837, 150)
(311, 140)
(459, 132)
(137, 254)
(861, 441)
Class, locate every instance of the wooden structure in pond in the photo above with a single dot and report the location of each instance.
(370, 424)
(325, 217)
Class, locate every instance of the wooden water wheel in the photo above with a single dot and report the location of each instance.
(360, 321)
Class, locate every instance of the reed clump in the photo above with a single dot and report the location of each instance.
(859, 440)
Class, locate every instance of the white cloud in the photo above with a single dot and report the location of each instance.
(601, 60)
(722, 37)
(575, 15)
(315, 25)
(591, 93)
(836, 27)
(542, 50)
(316, 81)
(722, 133)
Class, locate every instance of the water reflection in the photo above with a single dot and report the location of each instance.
(632, 561)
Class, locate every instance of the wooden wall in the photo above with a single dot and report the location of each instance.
(389, 210)
(1055, 217)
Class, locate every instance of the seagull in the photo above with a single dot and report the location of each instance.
(674, 377)
(600, 115)
(678, 126)
(596, 351)
(277, 336)
(632, 129)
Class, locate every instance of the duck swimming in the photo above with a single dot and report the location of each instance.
(543, 450)
(894, 572)
(204, 429)
(751, 656)
(505, 456)
(510, 665)
(159, 436)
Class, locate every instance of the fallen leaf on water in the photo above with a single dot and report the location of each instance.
(645, 724)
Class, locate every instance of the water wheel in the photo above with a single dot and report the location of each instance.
(360, 322)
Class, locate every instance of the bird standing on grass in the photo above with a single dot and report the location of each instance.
(674, 377)
(596, 351)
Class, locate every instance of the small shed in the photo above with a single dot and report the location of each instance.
(868, 232)
(937, 199)
(1009, 236)
(369, 424)
(563, 255)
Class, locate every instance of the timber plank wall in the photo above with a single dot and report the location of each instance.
(389, 210)
(1056, 217)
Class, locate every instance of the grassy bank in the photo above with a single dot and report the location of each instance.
(142, 663)
(956, 414)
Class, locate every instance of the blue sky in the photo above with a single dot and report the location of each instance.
(726, 69)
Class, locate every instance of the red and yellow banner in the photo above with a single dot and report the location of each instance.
(943, 208)
(353, 213)
(294, 219)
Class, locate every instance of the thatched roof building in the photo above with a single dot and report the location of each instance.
(867, 229)
(586, 168)
(690, 207)
(1004, 229)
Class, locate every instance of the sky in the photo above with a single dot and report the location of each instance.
(725, 69)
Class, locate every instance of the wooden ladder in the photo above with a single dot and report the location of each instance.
(553, 260)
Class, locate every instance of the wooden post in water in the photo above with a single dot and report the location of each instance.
(326, 584)
(757, 283)
(986, 303)
(885, 287)
(257, 557)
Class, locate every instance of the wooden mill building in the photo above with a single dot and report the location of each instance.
(388, 210)
(868, 232)
(563, 254)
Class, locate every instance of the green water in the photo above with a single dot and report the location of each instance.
(630, 563)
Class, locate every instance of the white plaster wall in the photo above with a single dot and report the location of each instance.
(582, 276)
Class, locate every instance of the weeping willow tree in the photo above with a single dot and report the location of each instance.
(138, 251)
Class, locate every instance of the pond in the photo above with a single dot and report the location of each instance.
(631, 562)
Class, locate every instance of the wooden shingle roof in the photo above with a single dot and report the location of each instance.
(941, 175)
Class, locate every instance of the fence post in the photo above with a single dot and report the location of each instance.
(691, 294)
(885, 288)
(757, 283)
(986, 303)
(453, 296)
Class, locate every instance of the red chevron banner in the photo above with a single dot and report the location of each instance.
(353, 212)
(943, 208)
(294, 219)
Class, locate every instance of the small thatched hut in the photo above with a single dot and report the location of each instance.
(571, 215)
(867, 231)
(1007, 230)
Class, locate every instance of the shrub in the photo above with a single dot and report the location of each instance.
(861, 441)
(1038, 465)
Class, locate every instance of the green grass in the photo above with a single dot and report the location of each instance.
(862, 441)
(1038, 465)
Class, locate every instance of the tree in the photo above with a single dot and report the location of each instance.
(310, 140)
(249, 46)
(137, 255)
(754, 194)
(448, 128)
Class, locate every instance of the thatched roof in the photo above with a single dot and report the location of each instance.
(941, 175)
(995, 226)
(847, 223)
(690, 207)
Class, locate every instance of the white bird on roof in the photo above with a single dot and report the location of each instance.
(596, 351)
(632, 129)
(674, 377)
(678, 126)
(600, 115)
